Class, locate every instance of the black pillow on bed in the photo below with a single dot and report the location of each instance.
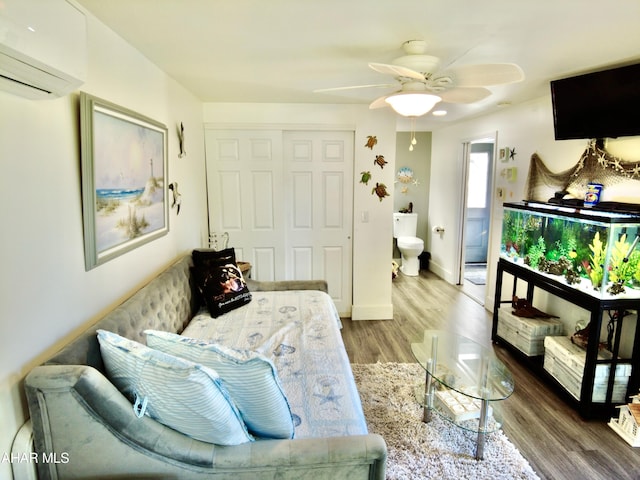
(219, 280)
(204, 256)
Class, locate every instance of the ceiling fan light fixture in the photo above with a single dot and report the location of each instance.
(412, 104)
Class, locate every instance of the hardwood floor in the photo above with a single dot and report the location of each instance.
(551, 435)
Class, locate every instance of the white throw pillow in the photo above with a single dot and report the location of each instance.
(178, 393)
(250, 378)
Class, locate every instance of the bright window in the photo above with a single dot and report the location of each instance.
(477, 187)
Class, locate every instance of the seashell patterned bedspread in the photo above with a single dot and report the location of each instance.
(299, 330)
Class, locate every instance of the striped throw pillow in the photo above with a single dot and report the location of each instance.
(180, 394)
(250, 378)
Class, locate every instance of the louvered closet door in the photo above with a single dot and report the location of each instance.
(245, 195)
(318, 169)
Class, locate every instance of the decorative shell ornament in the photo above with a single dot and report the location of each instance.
(380, 161)
(371, 141)
(405, 175)
(366, 176)
(177, 197)
(183, 152)
(380, 190)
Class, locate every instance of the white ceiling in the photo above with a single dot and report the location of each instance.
(279, 51)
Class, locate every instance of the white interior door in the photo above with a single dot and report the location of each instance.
(286, 200)
(245, 196)
(319, 204)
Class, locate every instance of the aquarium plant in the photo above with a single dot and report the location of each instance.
(511, 232)
(536, 253)
(596, 261)
(517, 232)
(564, 248)
(624, 264)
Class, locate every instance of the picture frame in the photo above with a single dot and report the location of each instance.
(124, 179)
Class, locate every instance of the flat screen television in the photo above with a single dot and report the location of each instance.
(599, 105)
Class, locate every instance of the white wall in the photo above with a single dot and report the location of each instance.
(371, 253)
(46, 297)
(419, 160)
(528, 128)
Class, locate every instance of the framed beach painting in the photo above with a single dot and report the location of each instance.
(124, 173)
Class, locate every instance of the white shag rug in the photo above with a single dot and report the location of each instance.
(436, 450)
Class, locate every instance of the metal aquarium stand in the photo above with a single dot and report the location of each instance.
(596, 306)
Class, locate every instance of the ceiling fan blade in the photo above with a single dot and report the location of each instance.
(464, 95)
(377, 85)
(379, 103)
(484, 75)
(396, 71)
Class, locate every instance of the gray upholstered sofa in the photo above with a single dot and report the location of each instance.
(80, 417)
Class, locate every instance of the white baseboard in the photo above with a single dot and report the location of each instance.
(441, 272)
(489, 303)
(372, 312)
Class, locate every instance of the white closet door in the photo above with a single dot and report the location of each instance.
(318, 169)
(286, 199)
(244, 190)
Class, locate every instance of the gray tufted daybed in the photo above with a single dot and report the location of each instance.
(78, 414)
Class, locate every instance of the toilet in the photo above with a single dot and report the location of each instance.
(410, 246)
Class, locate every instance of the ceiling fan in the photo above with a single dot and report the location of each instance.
(421, 85)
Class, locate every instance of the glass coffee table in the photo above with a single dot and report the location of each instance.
(463, 382)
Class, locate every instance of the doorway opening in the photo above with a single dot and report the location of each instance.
(475, 226)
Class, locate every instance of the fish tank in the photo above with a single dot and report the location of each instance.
(592, 250)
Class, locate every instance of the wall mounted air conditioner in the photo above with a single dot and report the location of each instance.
(43, 48)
